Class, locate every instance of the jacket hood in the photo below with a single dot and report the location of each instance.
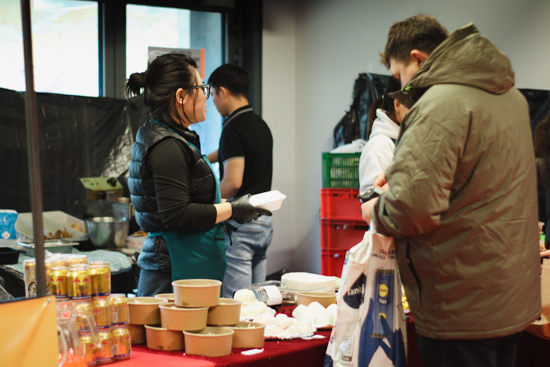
(465, 58)
(383, 125)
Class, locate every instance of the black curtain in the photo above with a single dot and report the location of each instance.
(79, 137)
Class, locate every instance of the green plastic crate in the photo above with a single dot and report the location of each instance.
(341, 170)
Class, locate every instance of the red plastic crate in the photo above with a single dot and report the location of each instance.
(341, 235)
(332, 262)
(341, 204)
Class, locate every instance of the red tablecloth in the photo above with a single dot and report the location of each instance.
(532, 352)
(277, 353)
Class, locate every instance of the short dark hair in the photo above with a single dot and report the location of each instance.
(163, 77)
(421, 32)
(232, 77)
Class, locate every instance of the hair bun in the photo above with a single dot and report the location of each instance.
(142, 79)
(135, 83)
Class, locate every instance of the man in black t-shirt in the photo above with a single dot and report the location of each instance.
(245, 156)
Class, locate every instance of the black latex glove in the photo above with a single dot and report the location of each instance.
(243, 211)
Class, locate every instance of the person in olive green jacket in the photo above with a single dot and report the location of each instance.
(460, 197)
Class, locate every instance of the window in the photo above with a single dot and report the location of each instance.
(65, 46)
(178, 28)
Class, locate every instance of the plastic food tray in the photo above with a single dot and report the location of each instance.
(52, 221)
(51, 246)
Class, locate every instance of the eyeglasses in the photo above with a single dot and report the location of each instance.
(205, 89)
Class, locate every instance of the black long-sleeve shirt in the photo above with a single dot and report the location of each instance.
(169, 164)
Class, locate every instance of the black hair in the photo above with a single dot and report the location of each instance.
(163, 77)
(384, 102)
(232, 77)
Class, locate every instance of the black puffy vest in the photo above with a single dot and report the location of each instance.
(140, 181)
(154, 255)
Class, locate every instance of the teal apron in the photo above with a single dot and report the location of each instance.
(197, 254)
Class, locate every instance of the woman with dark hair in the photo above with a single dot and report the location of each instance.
(174, 191)
(385, 116)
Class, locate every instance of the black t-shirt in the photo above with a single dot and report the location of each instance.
(246, 135)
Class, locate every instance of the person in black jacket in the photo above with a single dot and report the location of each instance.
(174, 192)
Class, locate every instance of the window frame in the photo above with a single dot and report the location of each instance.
(242, 35)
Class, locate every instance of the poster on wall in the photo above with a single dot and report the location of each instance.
(196, 54)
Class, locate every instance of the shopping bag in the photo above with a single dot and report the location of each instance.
(370, 323)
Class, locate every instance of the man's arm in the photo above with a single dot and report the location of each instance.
(233, 171)
(213, 157)
(421, 176)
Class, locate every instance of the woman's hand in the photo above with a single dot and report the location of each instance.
(243, 211)
(381, 181)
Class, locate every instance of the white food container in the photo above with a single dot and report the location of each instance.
(52, 221)
(270, 200)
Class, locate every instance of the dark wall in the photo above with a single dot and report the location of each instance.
(79, 137)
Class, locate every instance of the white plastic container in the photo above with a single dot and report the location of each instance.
(52, 221)
(270, 200)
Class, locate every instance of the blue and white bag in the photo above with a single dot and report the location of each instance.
(370, 327)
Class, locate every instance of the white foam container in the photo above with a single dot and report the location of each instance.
(52, 221)
(270, 200)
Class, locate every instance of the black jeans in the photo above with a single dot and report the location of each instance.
(493, 352)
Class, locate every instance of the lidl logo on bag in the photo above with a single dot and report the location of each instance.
(383, 290)
(355, 296)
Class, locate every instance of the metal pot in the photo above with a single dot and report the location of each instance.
(108, 232)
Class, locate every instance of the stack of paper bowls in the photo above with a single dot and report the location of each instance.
(201, 297)
(194, 318)
(143, 311)
(167, 296)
